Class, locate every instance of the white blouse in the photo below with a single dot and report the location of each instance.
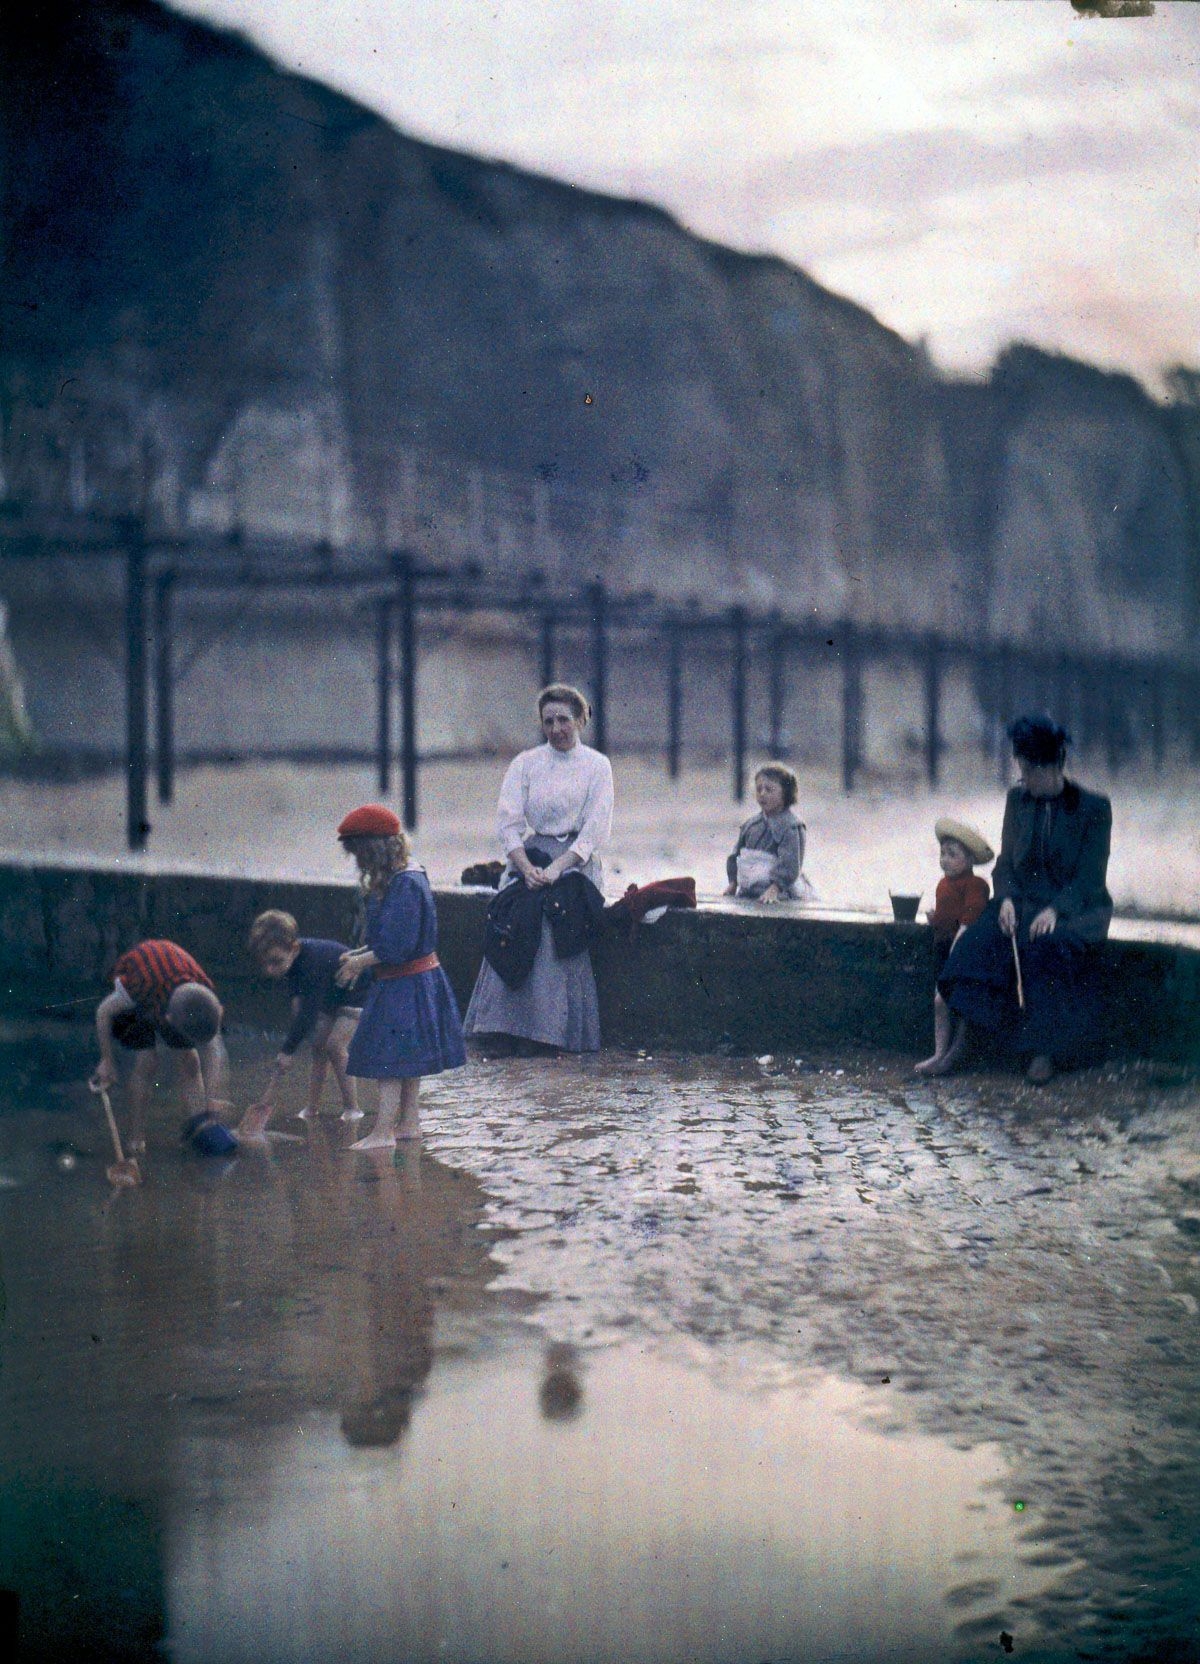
(555, 792)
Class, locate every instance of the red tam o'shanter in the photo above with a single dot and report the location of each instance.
(370, 820)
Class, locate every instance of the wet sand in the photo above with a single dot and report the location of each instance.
(665, 1359)
(277, 819)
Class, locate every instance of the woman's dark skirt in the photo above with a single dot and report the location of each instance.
(1061, 1018)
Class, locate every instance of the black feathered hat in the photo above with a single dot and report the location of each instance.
(1039, 740)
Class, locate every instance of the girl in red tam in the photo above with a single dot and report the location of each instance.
(410, 1024)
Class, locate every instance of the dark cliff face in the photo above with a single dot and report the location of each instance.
(246, 277)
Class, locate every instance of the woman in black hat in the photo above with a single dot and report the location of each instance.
(1050, 900)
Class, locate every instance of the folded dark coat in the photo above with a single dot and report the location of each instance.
(572, 906)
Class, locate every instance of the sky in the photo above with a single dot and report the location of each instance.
(973, 171)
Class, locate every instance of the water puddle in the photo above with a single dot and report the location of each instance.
(661, 1517)
(687, 1361)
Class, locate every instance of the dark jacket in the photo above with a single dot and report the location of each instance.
(311, 982)
(1071, 878)
(572, 905)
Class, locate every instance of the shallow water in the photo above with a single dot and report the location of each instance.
(634, 1359)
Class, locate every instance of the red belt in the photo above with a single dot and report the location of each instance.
(388, 973)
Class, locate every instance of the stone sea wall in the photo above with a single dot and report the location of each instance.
(702, 981)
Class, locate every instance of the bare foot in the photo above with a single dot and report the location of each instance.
(352, 1115)
(376, 1141)
(124, 1172)
(1040, 1070)
(934, 1067)
(253, 1126)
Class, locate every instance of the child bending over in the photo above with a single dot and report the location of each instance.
(161, 994)
(767, 859)
(959, 900)
(321, 1010)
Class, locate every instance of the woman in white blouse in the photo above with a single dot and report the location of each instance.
(556, 798)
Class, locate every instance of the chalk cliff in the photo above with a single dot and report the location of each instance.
(245, 297)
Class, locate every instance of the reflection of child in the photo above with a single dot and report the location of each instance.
(410, 1024)
(320, 1009)
(161, 993)
(959, 900)
(769, 853)
(560, 1394)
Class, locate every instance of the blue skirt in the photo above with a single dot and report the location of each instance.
(410, 1026)
(1058, 975)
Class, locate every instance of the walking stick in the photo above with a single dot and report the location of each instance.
(122, 1171)
(1017, 963)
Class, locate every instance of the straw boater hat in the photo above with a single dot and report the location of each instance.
(975, 844)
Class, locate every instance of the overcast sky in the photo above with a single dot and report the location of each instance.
(974, 171)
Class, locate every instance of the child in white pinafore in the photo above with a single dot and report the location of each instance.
(767, 860)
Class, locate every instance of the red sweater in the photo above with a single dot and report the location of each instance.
(151, 972)
(958, 901)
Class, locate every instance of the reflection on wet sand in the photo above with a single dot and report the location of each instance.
(561, 1392)
(235, 1295)
(673, 1520)
(710, 1362)
(1022, 1270)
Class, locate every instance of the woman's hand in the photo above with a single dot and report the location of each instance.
(1042, 923)
(538, 878)
(770, 894)
(1008, 917)
(524, 867)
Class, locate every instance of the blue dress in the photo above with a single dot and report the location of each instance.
(410, 1025)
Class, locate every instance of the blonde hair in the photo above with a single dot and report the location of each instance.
(562, 693)
(378, 858)
(784, 777)
(272, 929)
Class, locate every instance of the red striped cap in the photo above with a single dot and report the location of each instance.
(370, 820)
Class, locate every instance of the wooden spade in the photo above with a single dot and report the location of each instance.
(124, 1170)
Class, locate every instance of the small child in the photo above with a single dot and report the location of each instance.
(320, 1009)
(161, 993)
(767, 859)
(959, 900)
(410, 1024)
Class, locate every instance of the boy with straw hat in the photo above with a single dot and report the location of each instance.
(959, 900)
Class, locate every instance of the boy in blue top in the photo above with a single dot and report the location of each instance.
(320, 1009)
